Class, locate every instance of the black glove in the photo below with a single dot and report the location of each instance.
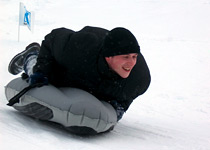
(38, 77)
(119, 109)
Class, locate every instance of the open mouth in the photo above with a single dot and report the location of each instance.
(127, 69)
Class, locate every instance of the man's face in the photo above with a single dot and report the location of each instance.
(122, 64)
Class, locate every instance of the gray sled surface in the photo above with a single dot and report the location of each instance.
(75, 109)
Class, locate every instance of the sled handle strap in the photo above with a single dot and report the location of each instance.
(16, 98)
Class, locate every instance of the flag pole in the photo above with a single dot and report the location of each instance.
(19, 22)
(18, 32)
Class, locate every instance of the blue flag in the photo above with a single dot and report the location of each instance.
(26, 17)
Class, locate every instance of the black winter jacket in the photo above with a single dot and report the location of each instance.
(74, 59)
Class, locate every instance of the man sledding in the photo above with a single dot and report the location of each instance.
(106, 64)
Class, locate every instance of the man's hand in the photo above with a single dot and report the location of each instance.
(38, 77)
(119, 109)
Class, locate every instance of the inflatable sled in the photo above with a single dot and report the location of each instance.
(75, 109)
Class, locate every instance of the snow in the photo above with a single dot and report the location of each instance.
(174, 35)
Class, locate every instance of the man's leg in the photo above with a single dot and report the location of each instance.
(24, 60)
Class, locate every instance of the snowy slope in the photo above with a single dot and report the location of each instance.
(174, 35)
